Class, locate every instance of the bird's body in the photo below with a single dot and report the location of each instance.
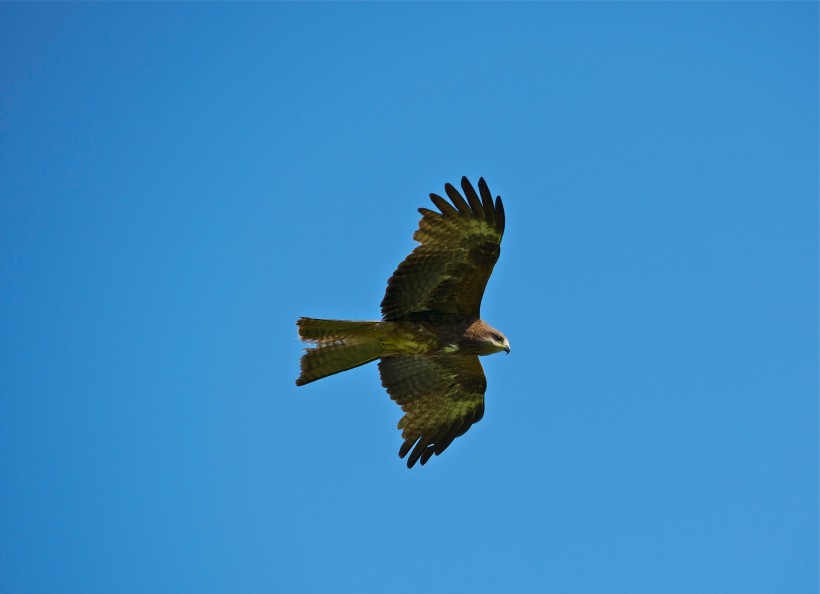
(431, 333)
(360, 342)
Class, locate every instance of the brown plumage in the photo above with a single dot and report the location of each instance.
(431, 333)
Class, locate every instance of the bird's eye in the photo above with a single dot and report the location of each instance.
(497, 337)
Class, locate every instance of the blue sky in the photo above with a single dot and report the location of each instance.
(180, 182)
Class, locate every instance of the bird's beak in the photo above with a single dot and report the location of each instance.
(507, 347)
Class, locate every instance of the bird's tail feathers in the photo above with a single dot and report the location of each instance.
(340, 345)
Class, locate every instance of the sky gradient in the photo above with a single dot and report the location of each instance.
(180, 182)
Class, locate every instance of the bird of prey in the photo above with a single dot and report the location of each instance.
(431, 332)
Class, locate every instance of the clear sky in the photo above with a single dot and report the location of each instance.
(180, 182)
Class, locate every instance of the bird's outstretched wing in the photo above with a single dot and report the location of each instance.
(448, 272)
(441, 397)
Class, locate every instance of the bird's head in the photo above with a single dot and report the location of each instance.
(491, 340)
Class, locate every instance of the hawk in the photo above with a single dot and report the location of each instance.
(431, 332)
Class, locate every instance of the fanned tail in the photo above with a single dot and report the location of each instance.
(340, 345)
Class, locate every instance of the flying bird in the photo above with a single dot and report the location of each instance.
(431, 332)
